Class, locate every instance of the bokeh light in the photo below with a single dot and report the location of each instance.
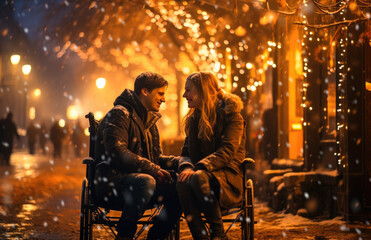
(101, 82)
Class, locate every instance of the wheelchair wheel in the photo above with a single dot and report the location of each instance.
(85, 214)
(247, 232)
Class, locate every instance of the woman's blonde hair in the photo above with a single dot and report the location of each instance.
(209, 90)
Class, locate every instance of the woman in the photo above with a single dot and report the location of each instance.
(210, 166)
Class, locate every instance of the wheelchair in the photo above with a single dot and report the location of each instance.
(244, 214)
(93, 214)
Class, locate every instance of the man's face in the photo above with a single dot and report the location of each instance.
(152, 100)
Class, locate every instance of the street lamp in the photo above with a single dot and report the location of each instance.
(26, 69)
(14, 59)
(37, 92)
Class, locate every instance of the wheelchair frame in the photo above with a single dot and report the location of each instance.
(245, 213)
(93, 214)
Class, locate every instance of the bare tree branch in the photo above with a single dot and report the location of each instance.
(345, 22)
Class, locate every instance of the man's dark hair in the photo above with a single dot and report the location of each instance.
(150, 81)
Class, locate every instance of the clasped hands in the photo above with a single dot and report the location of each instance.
(164, 177)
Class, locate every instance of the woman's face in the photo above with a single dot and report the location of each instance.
(192, 95)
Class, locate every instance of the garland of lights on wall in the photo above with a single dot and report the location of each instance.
(341, 65)
(341, 124)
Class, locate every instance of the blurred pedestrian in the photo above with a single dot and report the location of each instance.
(8, 130)
(77, 138)
(56, 136)
(42, 137)
(31, 137)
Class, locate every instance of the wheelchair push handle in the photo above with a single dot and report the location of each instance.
(247, 163)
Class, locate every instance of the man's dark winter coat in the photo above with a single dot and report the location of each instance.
(128, 141)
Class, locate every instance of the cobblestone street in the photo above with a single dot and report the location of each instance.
(40, 199)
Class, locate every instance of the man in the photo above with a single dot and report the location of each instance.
(57, 136)
(8, 130)
(31, 137)
(130, 175)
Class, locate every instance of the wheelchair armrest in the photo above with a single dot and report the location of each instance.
(247, 163)
(88, 161)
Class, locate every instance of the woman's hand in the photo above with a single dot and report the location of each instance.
(185, 174)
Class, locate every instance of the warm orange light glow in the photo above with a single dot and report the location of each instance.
(368, 86)
(37, 92)
(98, 115)
(86, 132)
(14, 59)
(249, 65)
(101, 82)
(298, 63)
(216, 67)
(186, 70)
(62, 123)
(240, 31)
(296, 126)
(32, 113)
(72, 112)
(26, 69)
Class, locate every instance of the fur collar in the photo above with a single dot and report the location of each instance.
(231, 103)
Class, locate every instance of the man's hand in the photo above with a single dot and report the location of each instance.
(164, 177)
(185, 175)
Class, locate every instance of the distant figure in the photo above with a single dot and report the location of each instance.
(56, 136)
(31, 137)
(8, 130)
(269, 140)
(42, 137)
(77, 138)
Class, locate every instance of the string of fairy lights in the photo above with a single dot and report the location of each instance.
(229, 56)
(212, 53)
(340, 101)
(339, 10)
(307, 37)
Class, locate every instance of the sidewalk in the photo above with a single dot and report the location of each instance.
(40, 199)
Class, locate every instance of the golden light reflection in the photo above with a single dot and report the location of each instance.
(27, 210)
(26, 167)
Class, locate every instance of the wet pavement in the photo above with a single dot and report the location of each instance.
(40, 199)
